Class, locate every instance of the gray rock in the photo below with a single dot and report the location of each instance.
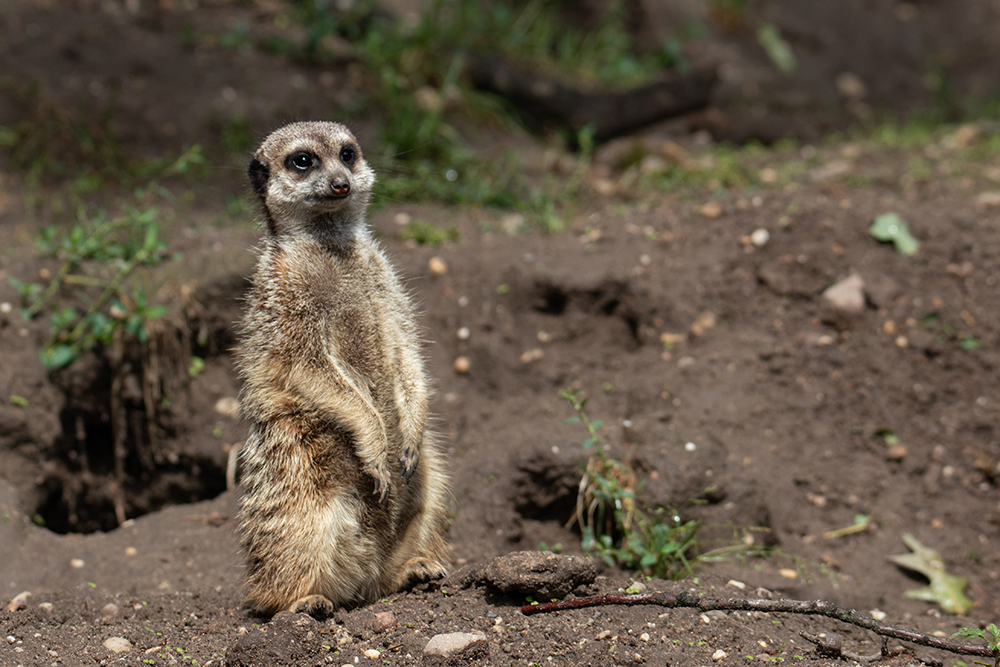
(452, 643)
(844, 302)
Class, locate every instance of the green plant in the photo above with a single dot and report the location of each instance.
(992, 642)
(427, 234)
(657, 543)
(98, 257)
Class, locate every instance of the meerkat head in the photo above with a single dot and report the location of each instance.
(312, 178)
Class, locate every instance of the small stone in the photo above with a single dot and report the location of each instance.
(437, 266)
(603, 634)
(20, 601)
(449, 644)
(227, 406)
(703, 323)
(532, 355)
(118, 644)
(109, 611)
(5, 307)
(644, 637)
(902, 342)
(769, 175)
(788, 573)
(988, 199)
(896, 452)
(372, 654)
(383, 621)
(851, 87)
(402, 219)
(11, 639)
(736, 584)
(877, 614)
(77, 563)
(712, 209)
(131, 551)
(719, 655)
(760, 237)
(844, 302)
(462, 365)
(463, 333)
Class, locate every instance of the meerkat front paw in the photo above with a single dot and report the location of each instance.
(380, 478)
(316, 606)
(408, 461)
(421, 570)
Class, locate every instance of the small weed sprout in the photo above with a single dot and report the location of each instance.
(118, 245)
(657, 543)
(993, 642)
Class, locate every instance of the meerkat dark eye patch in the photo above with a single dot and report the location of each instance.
(348, 154)
(301, 161)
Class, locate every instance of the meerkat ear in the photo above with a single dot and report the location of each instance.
(259, 174)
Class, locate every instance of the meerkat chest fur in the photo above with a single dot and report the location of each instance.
(345, 495)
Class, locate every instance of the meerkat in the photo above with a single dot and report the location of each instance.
(345, 493)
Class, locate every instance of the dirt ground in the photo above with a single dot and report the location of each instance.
(765, 411)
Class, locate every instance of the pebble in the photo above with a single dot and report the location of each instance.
(719, 655)
(227, 406)
(788, 573)
(985, 200)
(118, 644)
(896, 452)
(844, 302)
(437, 266)
(448, 644)
(77, 563)
(712, 209)
(769, 175)
(131, 551)
(371, 654)
(5, 307)
(603, 634)
(851, 86)
(402, 219)
(703, 323)
(736, 584)
(532, 355)
(109, 611)
(463, 333)
(383, 621)
(20, 601)
(462, 365)
(760, 237)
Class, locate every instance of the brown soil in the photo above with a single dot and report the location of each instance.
(763, 413)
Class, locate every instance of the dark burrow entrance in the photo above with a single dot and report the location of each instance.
(125, 449)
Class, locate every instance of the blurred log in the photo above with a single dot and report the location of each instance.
(545, 101)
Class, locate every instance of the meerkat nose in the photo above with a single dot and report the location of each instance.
(341, 186)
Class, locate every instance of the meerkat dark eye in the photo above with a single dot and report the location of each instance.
(348, 155)
(300, 161)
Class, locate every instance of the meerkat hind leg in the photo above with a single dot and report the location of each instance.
(316, 606)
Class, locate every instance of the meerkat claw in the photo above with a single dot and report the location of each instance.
(409, 465)
(316, 606)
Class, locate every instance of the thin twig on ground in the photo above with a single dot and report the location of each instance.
(811, 607)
